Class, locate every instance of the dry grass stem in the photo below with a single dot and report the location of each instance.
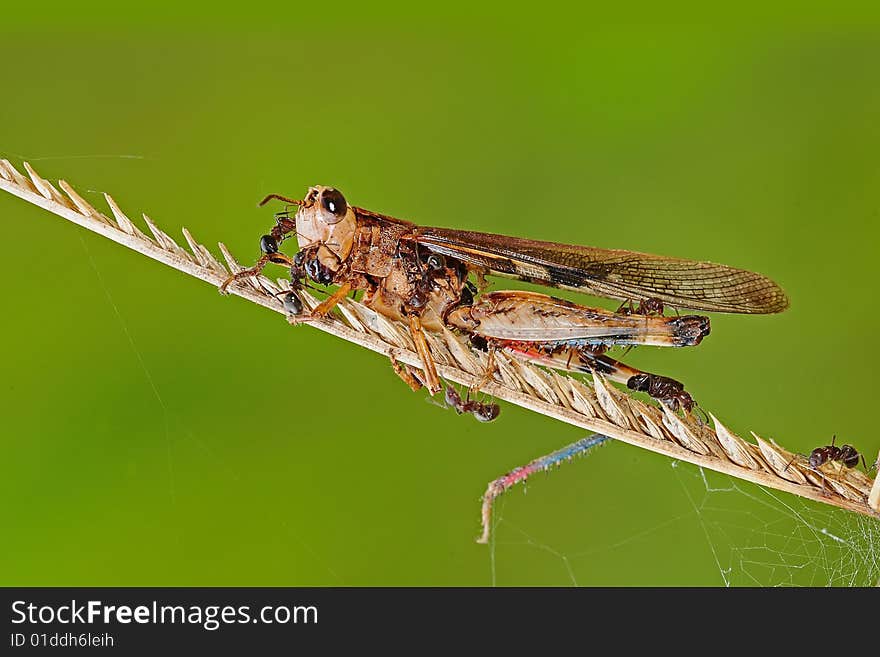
(594, 405)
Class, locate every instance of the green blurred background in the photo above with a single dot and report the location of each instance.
(156, 433)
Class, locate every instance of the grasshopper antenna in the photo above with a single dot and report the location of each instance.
(280, 198)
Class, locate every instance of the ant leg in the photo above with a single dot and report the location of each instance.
(454, 400)
(626, 308)
(824, 478)
(646, 307)
(651, 306)
(488, 373)
(269, 247)
(481, 411)
(265, 259)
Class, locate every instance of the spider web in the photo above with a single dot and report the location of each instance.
(755, 536)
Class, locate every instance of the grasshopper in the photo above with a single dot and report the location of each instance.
(434, 278)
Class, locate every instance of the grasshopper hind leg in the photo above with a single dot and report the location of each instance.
(432, 381)
(407, 374)
(662, 388)
(592, 358)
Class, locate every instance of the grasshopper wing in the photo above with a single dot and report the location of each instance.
(615, 274)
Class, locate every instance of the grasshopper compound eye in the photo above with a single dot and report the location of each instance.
(333, 202)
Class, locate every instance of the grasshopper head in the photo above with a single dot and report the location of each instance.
(325, 218)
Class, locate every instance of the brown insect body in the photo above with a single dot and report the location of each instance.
(412, 287)
(420, 276)
(534, 317)
(845, 454)
(484, 412)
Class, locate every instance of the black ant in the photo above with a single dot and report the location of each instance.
(482, 411)
(847, 455)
